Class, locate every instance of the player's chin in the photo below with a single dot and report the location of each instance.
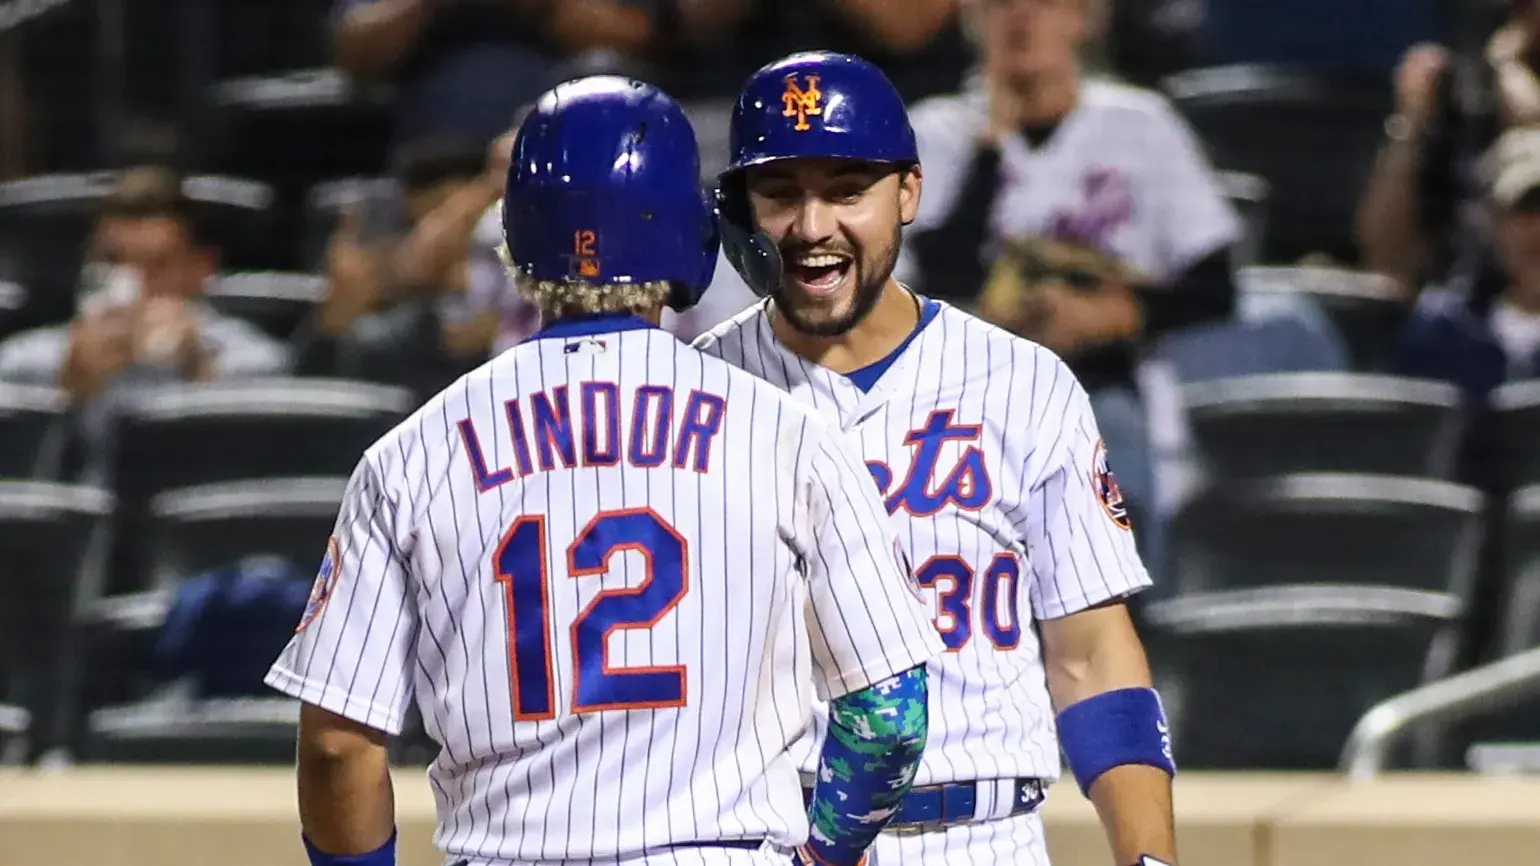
(816, 308)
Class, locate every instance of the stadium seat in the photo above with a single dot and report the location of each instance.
(45, 222)
(34, 431)
(1367, 309)
(299, 128)
(198, 531)
(278, 302)
(1518, 423)
(1250, 426)
(13, 303)
(1313, 137)
(50, 536)
(1276, 678)
(182, 435)
(1510, 738)
(200, 528)
(1326, 529)
(1248, 194)
(175, 729)
(379, 197)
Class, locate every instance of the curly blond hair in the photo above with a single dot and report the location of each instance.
(560, 298)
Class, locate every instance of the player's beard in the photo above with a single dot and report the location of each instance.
(871, 279)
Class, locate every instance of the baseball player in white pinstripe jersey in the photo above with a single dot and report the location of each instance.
(988, 458)
(614, 573)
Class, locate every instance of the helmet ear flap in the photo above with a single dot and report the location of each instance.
(752, 253)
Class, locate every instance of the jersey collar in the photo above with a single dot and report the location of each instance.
(591, 325)
(854, 404)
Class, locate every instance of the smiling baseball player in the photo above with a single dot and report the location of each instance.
(614, 573)
(988, 458)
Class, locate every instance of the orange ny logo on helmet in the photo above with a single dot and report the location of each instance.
(801, 103)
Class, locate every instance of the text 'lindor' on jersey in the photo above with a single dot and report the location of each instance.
(597, 426)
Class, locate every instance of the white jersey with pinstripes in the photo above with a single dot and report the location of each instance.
(989, 460)
(616, 575)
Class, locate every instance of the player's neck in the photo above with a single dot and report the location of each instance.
(884, 329)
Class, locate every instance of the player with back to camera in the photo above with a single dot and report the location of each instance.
(987, 455)
(613, 573)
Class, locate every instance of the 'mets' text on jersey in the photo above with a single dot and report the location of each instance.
(989, 460)
(615, 575)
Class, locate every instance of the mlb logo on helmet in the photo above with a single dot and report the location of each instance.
(802, 102)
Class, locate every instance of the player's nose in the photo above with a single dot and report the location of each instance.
(814, 221)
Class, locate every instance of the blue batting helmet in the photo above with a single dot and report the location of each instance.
(818, 104)
(604, 187)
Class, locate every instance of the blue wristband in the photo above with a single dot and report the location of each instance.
(1123, 726)
(385, 855)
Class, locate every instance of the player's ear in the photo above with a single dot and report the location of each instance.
(909, 184)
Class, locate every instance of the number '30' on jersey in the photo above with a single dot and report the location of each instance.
(989, 460)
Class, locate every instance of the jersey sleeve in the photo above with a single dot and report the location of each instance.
(352, 652)
(1196, 217)
(867, 621)
(1073, 518)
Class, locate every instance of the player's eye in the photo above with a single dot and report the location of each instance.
(777, 192)
(847, 193)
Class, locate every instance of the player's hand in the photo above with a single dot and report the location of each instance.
(100, 346)
(1417, 81)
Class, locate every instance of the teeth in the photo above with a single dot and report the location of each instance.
(827, 261)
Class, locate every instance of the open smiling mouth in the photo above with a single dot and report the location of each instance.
(822, 274)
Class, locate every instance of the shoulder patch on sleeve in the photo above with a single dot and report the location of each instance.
(1105, 484)
(325, 582)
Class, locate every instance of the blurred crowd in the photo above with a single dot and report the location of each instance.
(1168, 193)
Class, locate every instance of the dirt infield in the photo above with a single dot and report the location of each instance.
(130, 816)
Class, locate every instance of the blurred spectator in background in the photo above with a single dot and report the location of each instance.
(1150, 39)
(1480, 341)
(142, 319)
(463, 67)
(1421, 217)
(918, 44)
(424, 305)
(1118, 228)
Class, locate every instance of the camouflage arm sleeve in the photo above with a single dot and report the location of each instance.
(869, 758)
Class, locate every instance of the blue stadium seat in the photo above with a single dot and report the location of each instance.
(34, 431)
(276, 301)
(181, 435)
(1276, 678)
(1313, 137)
(52, 537)
(1251, 426)
(182, 712)
(1517, 406)
(1368, 310)
(1327, 529)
